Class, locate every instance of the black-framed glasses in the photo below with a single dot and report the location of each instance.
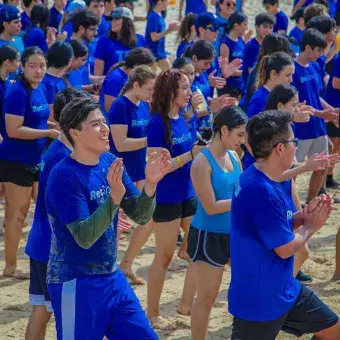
(212, 28)
(295, 141)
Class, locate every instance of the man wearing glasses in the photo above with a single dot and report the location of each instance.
(264, 296)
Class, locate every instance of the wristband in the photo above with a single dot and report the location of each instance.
(179, 162)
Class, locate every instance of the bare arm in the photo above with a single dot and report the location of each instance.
(336, 83)
(124, 143)
(98, 67)
(298, 6)
(108, 100)
(156, 36)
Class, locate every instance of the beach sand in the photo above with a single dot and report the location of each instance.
(15, 309)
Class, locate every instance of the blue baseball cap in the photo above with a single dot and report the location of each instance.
(208, 18)
(9, 13)
(74, 5)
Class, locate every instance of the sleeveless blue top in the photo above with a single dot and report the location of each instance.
(223, 186)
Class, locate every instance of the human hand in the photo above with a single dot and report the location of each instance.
(228, 69)
(217, 82)
(53, 133)
(218, 103)
(114, 178)
(157, 167)
(196, 100)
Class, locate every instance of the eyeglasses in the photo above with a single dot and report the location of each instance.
(211, 28)
(93, 29)
(295, 141)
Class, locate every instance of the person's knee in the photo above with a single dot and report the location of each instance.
(332, 333)
(206, 301)
(164, 259)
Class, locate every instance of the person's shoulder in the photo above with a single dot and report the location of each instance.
(140, 38)
(17, 89)
(155, 121)
(107, 158)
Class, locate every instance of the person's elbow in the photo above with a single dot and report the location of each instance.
(285, 251)
(12, 131)
(119, 145)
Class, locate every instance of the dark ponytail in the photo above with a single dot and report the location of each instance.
(236, 18)
(231, 117)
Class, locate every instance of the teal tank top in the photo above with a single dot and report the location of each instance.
(223, 185)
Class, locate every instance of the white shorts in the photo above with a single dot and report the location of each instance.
(309, 147)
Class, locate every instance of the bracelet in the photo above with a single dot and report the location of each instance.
(179, 162)
(192, 155)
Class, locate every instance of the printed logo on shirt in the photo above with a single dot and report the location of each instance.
(237, 188)
(141, 122)
(39, 108)
(289, 215)
(121, 55)
(101, 194)
(309, 77)
(182, 139)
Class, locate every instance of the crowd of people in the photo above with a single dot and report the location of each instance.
(101, 126)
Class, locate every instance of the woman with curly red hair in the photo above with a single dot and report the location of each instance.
(175, 195)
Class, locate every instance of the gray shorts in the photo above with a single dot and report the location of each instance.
(309, 147)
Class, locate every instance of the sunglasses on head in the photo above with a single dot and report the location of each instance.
(211, 28)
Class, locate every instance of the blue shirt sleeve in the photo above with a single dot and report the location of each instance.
(249, 56)
(269, 217)
(117, 114)
(51, 92)
(100, 49)
(256, 106)
(153, 24)
(36, 37)
(14, 106)
(155, 133)
(282, 22)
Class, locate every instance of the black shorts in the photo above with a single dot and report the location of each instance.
(174, 211)
(235, 93)
(308, 315)
(20, 174)
(211, 248)
(39, 295)
(332, 130)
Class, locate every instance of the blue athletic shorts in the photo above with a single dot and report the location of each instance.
(38, 288)
(91, 307)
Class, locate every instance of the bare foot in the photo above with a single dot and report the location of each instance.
(183, 311)
(16, 273)
(134, 279)
(158, 322)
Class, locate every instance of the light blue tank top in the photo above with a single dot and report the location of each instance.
(223, 186)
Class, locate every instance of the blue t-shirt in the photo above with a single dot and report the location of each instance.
(297, 34)
(332, 7)
(332, 96)
(250, 55)
(35, 36)
(175, 187)
(34, 109)
(75, 79)
(17, 43)
(258, 102)
(307, 80)
(182, 47)
(195, 6)
(193, 126)
(39, 239)
(155, 23)
(113, 51)
(69, 29)
(104, 26)
(4, 85)
(84, 71)
(55, 18)
(281, 23)
(112, 85)
(236, 50)
(53, 85)
(136, 117)
(262, 286)
(74, 192)
(25, 21)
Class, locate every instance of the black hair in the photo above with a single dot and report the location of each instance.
(40, 15)
(272, 43)
(88, 2)
(299, 14)
(27, 3)
(63, 97)
(275, 62)
(184, 31)
(270, 2)
(202, 49)
(79, 49)
(26, 54)
(127, 35)
(230, 116)
(83, 18)
(266, 130)
(74, 114)
(322, 23)
(181, 62)
(59, 54)
(314, 10)
(264, 18)
(322, 2)
(235, 18)
(137, 56)
(313, 38)
(283, 94)
(8, 52)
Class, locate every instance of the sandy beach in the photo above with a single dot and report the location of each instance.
(15, 308)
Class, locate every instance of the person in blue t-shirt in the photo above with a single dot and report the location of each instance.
(10, 27)
(175, 195)
(214, 173)
(38, 34)
(128, 118)
(59, 58)
(80, 54)
(57, 14)
(156, 31)
(105, 23)
(192, 6)
(312, 135)
(9, 63)
(83, 194)
(224, 9)
(26, 114)
(297, 31)
(231, 48)
(264, 23)
(39, 239)
(26, 13)
(264, 297)
(186, 34)
(332, 96)
(114, 47)
(118, 75)
(281, 22)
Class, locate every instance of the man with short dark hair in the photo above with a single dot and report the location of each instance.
(264, 296)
